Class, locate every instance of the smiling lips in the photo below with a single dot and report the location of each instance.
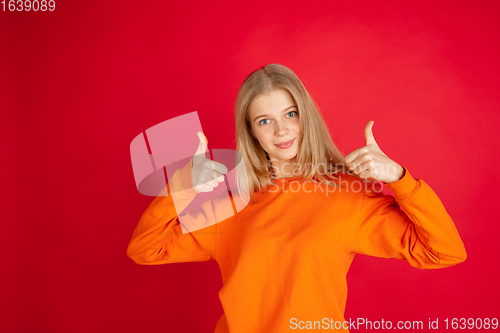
(285, 145)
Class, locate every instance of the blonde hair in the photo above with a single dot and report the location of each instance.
(316, 146)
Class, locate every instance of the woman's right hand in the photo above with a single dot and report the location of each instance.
(206, 174)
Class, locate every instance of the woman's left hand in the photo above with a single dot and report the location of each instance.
(370, 161)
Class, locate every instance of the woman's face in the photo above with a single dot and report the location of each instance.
(274, 121)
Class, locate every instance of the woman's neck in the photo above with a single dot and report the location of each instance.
(283, 168)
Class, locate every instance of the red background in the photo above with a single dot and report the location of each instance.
(78, 84)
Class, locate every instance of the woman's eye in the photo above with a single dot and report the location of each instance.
(294, 113)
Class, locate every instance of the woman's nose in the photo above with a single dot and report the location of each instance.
(281, 129)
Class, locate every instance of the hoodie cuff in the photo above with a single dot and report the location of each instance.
(404, 187)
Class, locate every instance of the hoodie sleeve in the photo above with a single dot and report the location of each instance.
(158, 238)
(421, 231)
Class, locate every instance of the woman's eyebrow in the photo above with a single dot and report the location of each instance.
(265, 115)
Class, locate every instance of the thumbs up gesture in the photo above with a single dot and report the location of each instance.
(206, 174)
(370, 161)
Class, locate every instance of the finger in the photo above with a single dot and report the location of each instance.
(359, 168)
(360, 158)
(204, 188)
(370, 139)
(219, 167)
(202, 146)
(369, 168)
(215, 169)
(352, 156)
(368, 173)
(211, 183)
(362, 168)
(213, 174)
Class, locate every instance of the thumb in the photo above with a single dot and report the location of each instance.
(370, 139)
(202, 146)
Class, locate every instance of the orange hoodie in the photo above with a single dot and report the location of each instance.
(285, 258)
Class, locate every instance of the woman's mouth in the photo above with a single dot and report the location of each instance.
(285, 145)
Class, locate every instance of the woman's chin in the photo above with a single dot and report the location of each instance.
(291, 157)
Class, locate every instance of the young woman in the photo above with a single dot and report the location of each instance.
(285, 256)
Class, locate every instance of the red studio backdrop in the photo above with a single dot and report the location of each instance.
(78, 83)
